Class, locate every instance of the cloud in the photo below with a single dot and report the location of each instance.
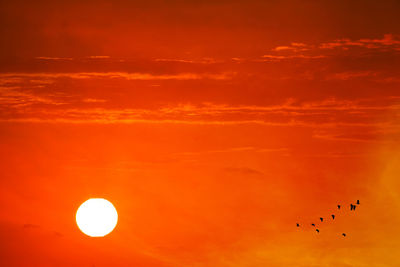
(119, 75)
(94, 100)
(285, 57)
(206, 60)
(280, 48)
(99, 57)
(54, 58)
(22, 100)
(348, 137)
(351, 75)
(295, 47)
(389, 41)
(330, 113)
(13, 96)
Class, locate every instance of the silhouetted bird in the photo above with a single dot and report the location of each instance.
(297, 224)
(358, 202)
(313, 224)
(338, 206)
(333, 216)
(317, 230)
(351, 206)
(343, 234)
(321, 219)
(354, 207)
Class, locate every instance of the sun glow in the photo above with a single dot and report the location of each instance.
(96, 217)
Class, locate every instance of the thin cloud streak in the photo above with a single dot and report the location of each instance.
(54, 58)
(132, 116)
(389, 42)
(23, 105)
(119, 75)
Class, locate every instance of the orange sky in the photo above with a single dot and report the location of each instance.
(212, 126)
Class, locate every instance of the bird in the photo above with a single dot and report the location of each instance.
(338, 206)
(317, 230)
(344, 234)
(321, 219)
(333, 216)
(351, 206)
(358, 202)
(354, 207)
(313, 224)
(298, 225)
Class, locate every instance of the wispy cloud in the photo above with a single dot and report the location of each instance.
(120, 75)
(329, 113)
(348, 137)
(285, 57)
(351, 75)
(54, 58)
(14, 97)
(296, 47)
(94, 100)
(99, 57)
(389, 42)
(206, 60)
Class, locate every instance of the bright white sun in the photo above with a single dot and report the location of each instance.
(96, 217)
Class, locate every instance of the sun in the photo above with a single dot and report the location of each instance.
(96, 217)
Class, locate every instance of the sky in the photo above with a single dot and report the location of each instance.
(212, 126)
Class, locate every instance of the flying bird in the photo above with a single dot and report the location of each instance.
(351, 206)
(333, 216)
(313, 224)
(317, 230)
(344, 234)
(297, 224)
(358, 202)
(321, 219)
(338, 206)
